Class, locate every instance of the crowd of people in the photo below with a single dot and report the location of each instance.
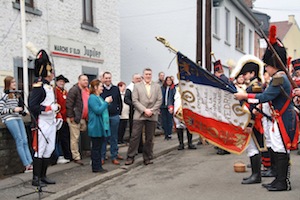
(103, 111)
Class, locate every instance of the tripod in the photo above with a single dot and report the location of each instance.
(40, 165)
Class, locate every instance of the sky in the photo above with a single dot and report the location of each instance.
(279, 10)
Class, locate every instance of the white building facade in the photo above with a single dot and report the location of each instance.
(141, 20)
(82, 37)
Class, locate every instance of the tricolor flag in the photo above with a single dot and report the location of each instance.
(209, 107)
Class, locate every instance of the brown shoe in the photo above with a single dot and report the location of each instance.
(115, 162)
(147, 162)
(120, 157)
(102, 162)
(129, 161)
(79, 162)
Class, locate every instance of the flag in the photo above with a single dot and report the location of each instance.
(210, 109)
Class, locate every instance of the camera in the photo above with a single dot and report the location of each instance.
(23, 113)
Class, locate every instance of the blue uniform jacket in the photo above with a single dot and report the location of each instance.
(274, 94)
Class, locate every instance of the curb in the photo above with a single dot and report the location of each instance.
(75, 190)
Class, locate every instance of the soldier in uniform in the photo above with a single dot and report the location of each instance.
(283, 132)
(43, 107)
(252, 69)
(296, 66)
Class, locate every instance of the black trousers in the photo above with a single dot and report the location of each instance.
(64, 140)
(122, 129)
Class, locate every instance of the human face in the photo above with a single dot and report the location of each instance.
(99, 89)
(137, 78)
(122, 88)
(240, 79)
(60, 83)
(106, 79)
(297, 73)
(271, 70)
(247, 76)
(83, 81)
(13, 84)
(147, 76)
(169, 81)
(162, 76)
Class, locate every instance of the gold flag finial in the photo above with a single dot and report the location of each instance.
(166, 43)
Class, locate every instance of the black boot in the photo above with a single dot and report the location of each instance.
(271, 172)
(37, 171)
(190, 137)
(282, 182)
(255, 165)
(180, 138)
(44, 179)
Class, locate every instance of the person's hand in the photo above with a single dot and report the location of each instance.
(109, 99)
(240, 95)
(72, 119)
(296, 92)
(248, 130)
(18, 109)
(171, 109)
(148, 112)
(53, 106)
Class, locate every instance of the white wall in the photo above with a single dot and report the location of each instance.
(63, 19)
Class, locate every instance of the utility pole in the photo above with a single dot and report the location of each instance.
(199, 32)
(208, 34)
(25, 66)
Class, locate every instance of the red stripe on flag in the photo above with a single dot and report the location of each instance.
(226, 136)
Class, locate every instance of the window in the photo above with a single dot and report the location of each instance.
(31, 78)
(216, 21)
(227, 25)
(239, 35)
(28, 3)
(88, 21)
(29, 7)
(250, 41)
(88, 12)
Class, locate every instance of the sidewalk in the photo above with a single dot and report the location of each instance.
(72, 179)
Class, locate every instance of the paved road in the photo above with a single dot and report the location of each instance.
(190, 174)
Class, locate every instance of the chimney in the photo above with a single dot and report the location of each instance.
(291, 19)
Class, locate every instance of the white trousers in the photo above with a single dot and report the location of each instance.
(267, 124)
(276, 141)
(48, 128)
(252, 148)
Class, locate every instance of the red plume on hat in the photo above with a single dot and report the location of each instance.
(42, 63)
(272, 34)
(269, 57)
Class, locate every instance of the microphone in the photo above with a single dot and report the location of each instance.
(13, 91)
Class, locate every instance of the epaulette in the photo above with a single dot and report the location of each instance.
(256, 88)
(278, 79)
(37, 84)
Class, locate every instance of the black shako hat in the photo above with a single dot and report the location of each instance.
(269, 57)
(296, 64)
(42, 64)
(218, 66)
(61, 77)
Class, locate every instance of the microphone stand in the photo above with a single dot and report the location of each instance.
(38, 188)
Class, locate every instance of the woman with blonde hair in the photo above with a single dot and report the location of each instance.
(11, 116)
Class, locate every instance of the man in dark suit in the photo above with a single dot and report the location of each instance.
(147, 99)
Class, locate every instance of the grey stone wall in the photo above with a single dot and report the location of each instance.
(10, 162)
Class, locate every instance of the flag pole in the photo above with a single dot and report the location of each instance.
(166, 43)
(25, 67)
(277, 58)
